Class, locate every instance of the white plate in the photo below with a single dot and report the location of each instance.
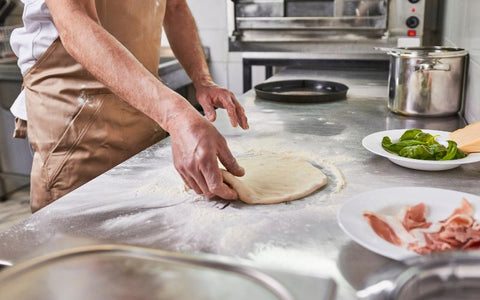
(373, 143)
(440, 204)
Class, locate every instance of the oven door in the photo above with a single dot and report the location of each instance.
(256, 20)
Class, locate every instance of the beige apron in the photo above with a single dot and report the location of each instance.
(77, 128)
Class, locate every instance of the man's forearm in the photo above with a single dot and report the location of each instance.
(111, 63)
(183, 37)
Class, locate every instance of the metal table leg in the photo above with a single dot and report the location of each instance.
(247, 75)
(268, 71)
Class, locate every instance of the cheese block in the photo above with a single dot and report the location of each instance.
(467, 138)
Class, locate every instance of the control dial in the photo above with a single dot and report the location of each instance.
(412, 22)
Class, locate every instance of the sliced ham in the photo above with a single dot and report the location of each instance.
(473, 244)
(384, 227)
(410, 229)
(465, 209)
(415, 217)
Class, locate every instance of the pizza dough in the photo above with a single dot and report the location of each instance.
(273, 178)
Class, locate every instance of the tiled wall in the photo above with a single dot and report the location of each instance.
(211, 18)
(226, 67)
(462, 29)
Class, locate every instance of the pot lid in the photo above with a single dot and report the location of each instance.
(126, 272)
(425, 52)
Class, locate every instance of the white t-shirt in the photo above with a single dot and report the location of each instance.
(30, 42)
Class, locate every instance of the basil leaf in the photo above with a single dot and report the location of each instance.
(396, 147)
(414, 143)
(417, 152)
(460, 154)
(453, 152)
(438, 150)
(410, 134)
(426, 138)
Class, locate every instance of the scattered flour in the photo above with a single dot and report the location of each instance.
(306, 261)
(163, 215)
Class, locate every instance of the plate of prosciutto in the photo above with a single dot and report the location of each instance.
(402, 222)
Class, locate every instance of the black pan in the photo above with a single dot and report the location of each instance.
(303, 91)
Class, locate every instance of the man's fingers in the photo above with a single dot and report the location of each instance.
(242, 118)
(204, 186)
(209, 111)
(226, 192)
(229, 162)
(244, 121)
(231, 110)
(191, 184)
(226, 100)
(214, 179)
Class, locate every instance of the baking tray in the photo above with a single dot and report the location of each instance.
(301, 91)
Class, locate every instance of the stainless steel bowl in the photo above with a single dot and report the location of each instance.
(427, 81)
(127, 272)
(443, 276)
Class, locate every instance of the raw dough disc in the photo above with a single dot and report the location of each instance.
(274, 178)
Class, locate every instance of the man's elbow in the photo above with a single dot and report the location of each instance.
(175, 8)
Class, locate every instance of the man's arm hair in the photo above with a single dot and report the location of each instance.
(111, 63)
(182, 33)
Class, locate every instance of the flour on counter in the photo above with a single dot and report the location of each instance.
(154, 210)
(306, 261)
(195, 224)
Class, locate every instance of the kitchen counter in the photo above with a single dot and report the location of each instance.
(143, 202)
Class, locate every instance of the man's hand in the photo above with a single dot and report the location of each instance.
(210, 96)
(186, 45)
(196, 144)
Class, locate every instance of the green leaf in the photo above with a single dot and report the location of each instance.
(438, 150)
(417, 152)
(410, 134)
(426, 138)
(451, 151)
(460, 154)
(396, 147)
(414, 143)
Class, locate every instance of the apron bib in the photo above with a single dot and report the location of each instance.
(77, 128)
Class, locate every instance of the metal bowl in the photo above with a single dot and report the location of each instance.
(126, 272)
(442, 276)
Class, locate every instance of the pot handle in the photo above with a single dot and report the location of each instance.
(389, 51)
(379, 291)
(432, 66)
(4, 264)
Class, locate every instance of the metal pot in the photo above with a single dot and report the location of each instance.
(427, 81)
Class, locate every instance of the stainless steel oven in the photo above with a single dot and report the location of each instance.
(311, 24)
